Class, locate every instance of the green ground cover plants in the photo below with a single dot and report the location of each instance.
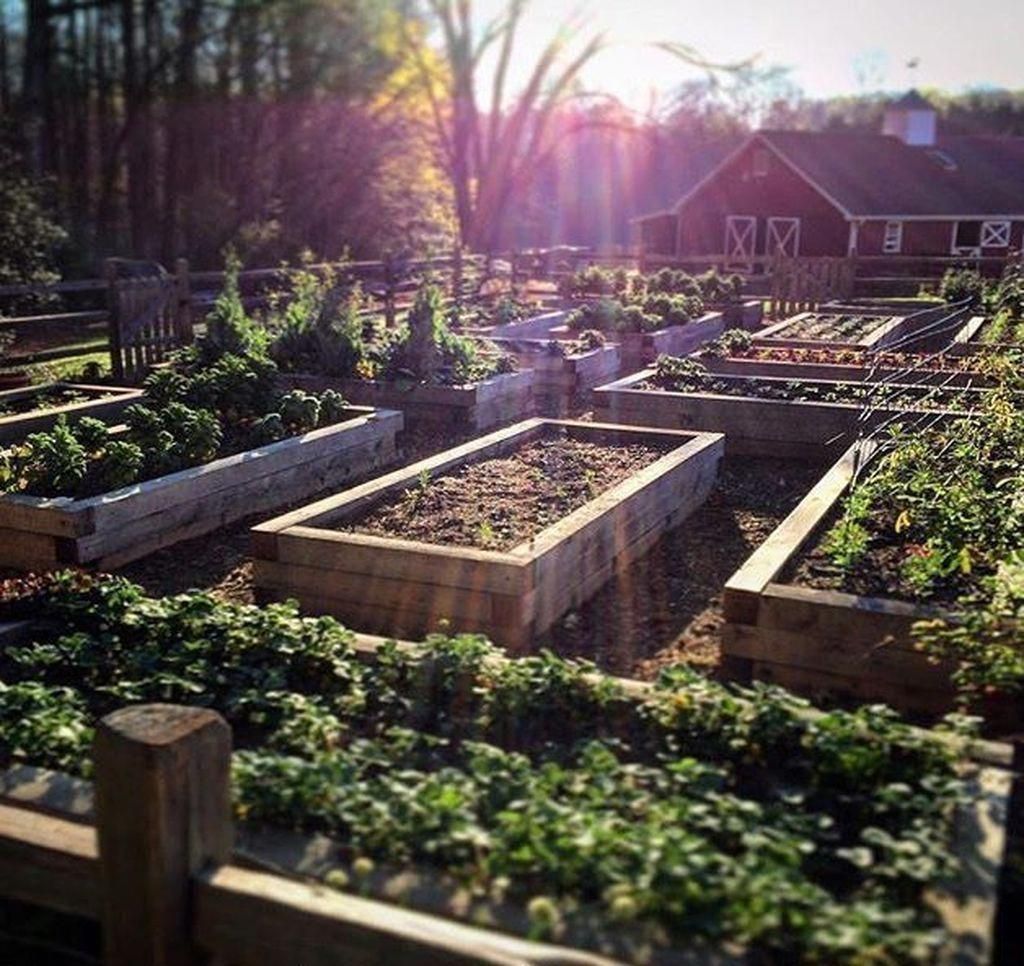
(673, 374)
(702, 813)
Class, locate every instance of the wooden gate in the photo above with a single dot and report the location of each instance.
(150, 315)
(802, 284)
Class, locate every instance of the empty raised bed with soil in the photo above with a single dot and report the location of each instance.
(765, 417)
(105, 531)
(823, 642)
(926, 330)
(501, 536)
(35, 409)
(503, 398)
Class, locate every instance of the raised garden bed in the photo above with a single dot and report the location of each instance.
(503, 398)
(747, 315)
(390, 585)
(642, 348)
(798, 423)
(37, 408)
(846, 365)
(562, 371)
(125, 524)
(982, 334)
(828, 643)
(926, 330)
(532, 796)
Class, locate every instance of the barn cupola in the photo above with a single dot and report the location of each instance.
(912, 119)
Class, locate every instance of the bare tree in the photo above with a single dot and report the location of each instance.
(491, 151)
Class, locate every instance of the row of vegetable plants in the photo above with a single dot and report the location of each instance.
(321, 336)
(694, 816)
(710, 287)
(688, 375)
(910, 550)
(1000, 300)
(212, 438)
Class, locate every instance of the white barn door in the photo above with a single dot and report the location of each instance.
(740, 241)
(782, 237)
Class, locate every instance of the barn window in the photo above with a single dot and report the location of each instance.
(762, 162)
(995, 234)
(966, 235)
(892, 241)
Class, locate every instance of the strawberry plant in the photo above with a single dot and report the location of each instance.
(701, 813)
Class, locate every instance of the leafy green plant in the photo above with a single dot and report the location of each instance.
(534, 781)
(959, 284)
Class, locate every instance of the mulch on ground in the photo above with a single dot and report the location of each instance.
(667, 607)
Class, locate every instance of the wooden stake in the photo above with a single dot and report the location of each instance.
(163, 814)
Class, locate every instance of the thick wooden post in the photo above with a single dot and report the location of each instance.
(163, 813)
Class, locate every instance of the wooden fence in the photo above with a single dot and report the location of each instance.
(802, 284)
(790, 284)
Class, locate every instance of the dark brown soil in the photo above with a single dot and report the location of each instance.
(500, 503)
(667, 607)
(880, 572)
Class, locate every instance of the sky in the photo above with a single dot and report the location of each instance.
(831, 46)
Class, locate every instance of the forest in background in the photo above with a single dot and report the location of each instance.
(156, 129)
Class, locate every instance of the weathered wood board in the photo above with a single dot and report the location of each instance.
(406, 588)
(105, 402)
(501, 399)
(916, 371)
(114, 528)
(561, 380)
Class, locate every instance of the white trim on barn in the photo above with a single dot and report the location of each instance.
(740, 240)
(995, 234)
(782, 236)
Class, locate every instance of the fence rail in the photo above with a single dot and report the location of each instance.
(790, 284)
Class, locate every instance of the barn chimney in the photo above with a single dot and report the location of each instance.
(911, 119)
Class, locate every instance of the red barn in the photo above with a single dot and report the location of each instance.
(901, 192)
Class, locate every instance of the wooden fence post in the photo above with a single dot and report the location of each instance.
(113, 320)
(163, 813)
(183, 308)
(389, 290)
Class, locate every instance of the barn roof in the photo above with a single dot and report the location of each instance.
(878, 176)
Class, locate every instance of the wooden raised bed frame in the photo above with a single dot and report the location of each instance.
(15, 428)
(826, 643)
(638, 348)
(38, 533)
(559, 380)
(840, 372)
(53, 854)
(914, 331)
(789, 429)
(501, 399)
(404, 587)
